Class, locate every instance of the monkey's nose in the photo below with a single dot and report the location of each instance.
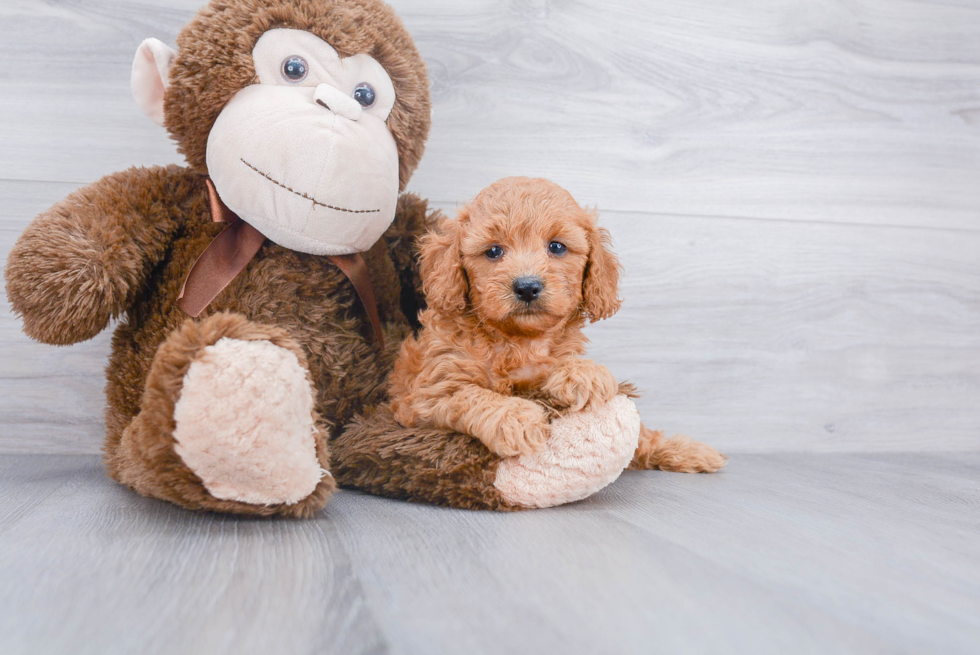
(337, 101)
(528, 288)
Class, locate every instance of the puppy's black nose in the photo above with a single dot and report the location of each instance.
(528, 288)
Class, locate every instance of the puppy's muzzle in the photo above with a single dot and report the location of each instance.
(527, 289)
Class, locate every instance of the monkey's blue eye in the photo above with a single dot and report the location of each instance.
(364, 94)
(294, 69)
(557, 248)
(494, 252)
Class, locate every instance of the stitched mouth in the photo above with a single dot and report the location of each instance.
(308, 197)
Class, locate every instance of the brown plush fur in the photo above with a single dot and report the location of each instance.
(144, 456)
(122, 247)
(440, 467)
(492, 365)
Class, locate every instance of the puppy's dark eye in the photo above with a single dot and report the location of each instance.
(557, 248)
(294, 69)
(494, 252)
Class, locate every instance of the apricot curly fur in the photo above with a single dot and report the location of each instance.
(491, 365)
(679, 453)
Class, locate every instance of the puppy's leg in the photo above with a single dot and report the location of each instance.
(507, 425)
(579, 383)
(675, 454)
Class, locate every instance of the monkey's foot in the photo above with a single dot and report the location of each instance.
(587, 451)
(245, 426)
(227, 424)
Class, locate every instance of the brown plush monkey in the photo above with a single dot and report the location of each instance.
(248, 338)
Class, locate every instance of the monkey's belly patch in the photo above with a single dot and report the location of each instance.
(586, 452)
(245, 424)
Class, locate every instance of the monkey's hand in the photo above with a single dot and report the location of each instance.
(578, 384)
(82, 262)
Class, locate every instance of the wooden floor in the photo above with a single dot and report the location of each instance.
(794, 190)
(777, 554)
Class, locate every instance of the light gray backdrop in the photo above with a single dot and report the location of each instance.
(793, 188)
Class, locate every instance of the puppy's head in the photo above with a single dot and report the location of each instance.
(523, 257)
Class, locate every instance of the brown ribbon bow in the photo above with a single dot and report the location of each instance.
(232, 250)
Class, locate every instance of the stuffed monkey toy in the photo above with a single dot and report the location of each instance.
(261, 292)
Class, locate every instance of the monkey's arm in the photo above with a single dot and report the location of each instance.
(413, 218)
(84, 260)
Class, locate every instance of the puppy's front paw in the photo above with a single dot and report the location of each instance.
(582, 384)
(523, 429)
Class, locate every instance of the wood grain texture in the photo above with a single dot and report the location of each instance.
(754, 336)
(51, 399)
(133, 575)
(794, 189)
(769, 336)
(778, 553)
(859, 111)
(852, 110)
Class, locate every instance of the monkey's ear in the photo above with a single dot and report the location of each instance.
(441, 268)
(600, 288)
(151, 70)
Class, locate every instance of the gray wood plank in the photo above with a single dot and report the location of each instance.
(93, 568)
(853, 111)
(751, 335)
(51, 398)
(857, 111)
(28, 480)
(873, 540)
(766, 336)
(784, 553)
(575, 580)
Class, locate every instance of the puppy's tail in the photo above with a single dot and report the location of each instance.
(678, 453)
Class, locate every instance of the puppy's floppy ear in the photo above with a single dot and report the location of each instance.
(600, 286)
(441, 268)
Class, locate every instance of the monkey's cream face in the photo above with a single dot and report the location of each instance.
(304, 155)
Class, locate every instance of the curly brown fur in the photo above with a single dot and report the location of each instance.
(482, 347)
(491, 363)
(679, 453)
(207, 72)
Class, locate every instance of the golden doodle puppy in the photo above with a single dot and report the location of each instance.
(509, 285)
